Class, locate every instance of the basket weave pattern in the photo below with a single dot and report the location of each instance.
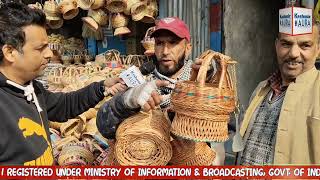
(190, 153)
(202, 109)
(144, 139)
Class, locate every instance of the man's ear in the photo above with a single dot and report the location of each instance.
(9, 53)
(188, 49)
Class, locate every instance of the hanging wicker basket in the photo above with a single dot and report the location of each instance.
(138, 10)
(151, 12)
(53, 15)
(144, 139)
(97, 4)
(190, 153)
(69, 9)
(202, 109)
(99, 16)
(148, 43)
(119, 22)
(85, 4)
(116, 6)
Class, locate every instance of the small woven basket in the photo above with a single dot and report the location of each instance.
(116, 6)
(191, 153)
(119, 22)
(100, 16)
(138, 10)
(148, 42)
(144, 139)
(98, 4)
(202, 109)
(85, 4)
(151, 12)
(76, 154)
(69, 9)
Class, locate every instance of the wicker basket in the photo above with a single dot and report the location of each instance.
(79, 153)
(91, 23)
(100, 16)
(143, 139)
(69, 9)
(202, 109)
(138, 10)
(73, 127)
(191, 153)
(136, 60)
(148, 43)
(53, 15)
(85, 4)
(151, 12)
(97, 4)
(119, 22)
(116, 6)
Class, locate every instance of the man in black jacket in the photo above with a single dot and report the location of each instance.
(25, 106)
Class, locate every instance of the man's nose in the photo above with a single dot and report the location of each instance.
(294, 52)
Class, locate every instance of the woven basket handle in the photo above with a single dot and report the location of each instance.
(149, 32)
(222, 60)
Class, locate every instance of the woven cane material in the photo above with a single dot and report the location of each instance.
(148, 43)
(97, 4)
(138, 10)
(202, 109)
(144, 139)
(116, 6)
(190, 153)
(85, 4)
(79, 153)
(69, 9)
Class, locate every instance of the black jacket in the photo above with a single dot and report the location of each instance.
(24, 133)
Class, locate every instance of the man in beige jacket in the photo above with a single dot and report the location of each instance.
(282, 122)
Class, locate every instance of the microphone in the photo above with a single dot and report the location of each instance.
(147, 68)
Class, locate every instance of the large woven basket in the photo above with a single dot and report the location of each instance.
(191, 153)
(116, 6)
(144, 139)
(202, 109)
(148, 42)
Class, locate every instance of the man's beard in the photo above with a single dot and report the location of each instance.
(170, 72)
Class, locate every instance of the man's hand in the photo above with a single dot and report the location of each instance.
(195, 68)
(114, 85)
(144, 95)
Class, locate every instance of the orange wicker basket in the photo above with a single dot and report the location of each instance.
(202, 109)
(144, 139)
(191, 153)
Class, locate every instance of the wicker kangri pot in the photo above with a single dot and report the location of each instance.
(144, 139)
(202, 109)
